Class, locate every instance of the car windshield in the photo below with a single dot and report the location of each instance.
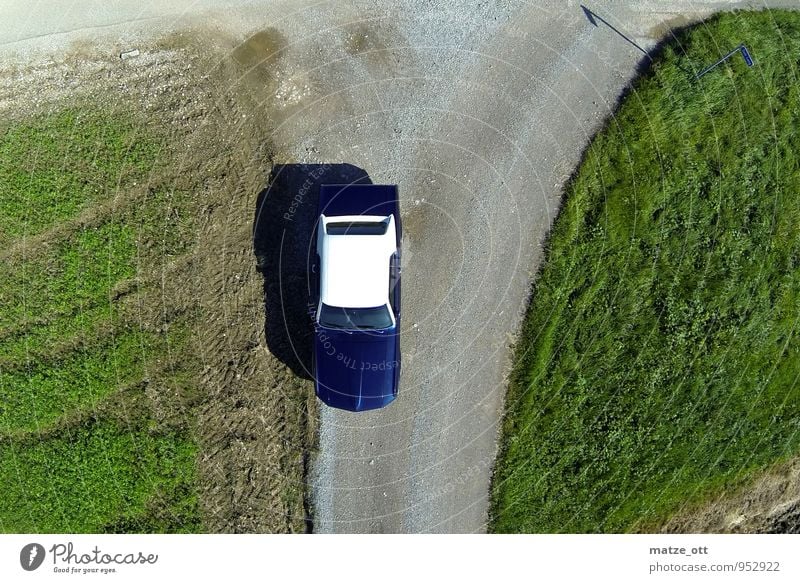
(355, 318)
(358, 227)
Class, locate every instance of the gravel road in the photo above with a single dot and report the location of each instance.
(479, 111)
(481, 124)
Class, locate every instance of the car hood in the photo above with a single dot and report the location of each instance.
(356, 371)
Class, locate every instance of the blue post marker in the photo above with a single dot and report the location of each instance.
(740, 49)
(747, 58)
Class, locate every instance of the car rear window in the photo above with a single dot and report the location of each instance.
(355, 318)
(357, 227)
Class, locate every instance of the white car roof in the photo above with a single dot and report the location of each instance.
(355, 268)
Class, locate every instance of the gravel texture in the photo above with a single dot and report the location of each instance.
(479, 111)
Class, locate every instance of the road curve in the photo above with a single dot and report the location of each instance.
(490, 117)
(479, 111)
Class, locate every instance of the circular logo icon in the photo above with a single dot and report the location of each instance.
(31, 556)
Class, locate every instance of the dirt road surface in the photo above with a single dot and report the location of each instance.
(479, 111)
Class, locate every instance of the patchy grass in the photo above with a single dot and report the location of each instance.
(99, 478)
(75, 279)
(54, 166)
(37, 395)
(659, 359)
(83, 446)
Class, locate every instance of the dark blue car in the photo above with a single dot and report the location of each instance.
(357, 296)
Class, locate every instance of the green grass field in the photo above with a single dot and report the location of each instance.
(54, 166)
(81, 449)
(659, 359)
(99, 477)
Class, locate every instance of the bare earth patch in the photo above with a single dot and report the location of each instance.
(768, 504)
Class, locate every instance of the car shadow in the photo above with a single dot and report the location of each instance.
(284, 246)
